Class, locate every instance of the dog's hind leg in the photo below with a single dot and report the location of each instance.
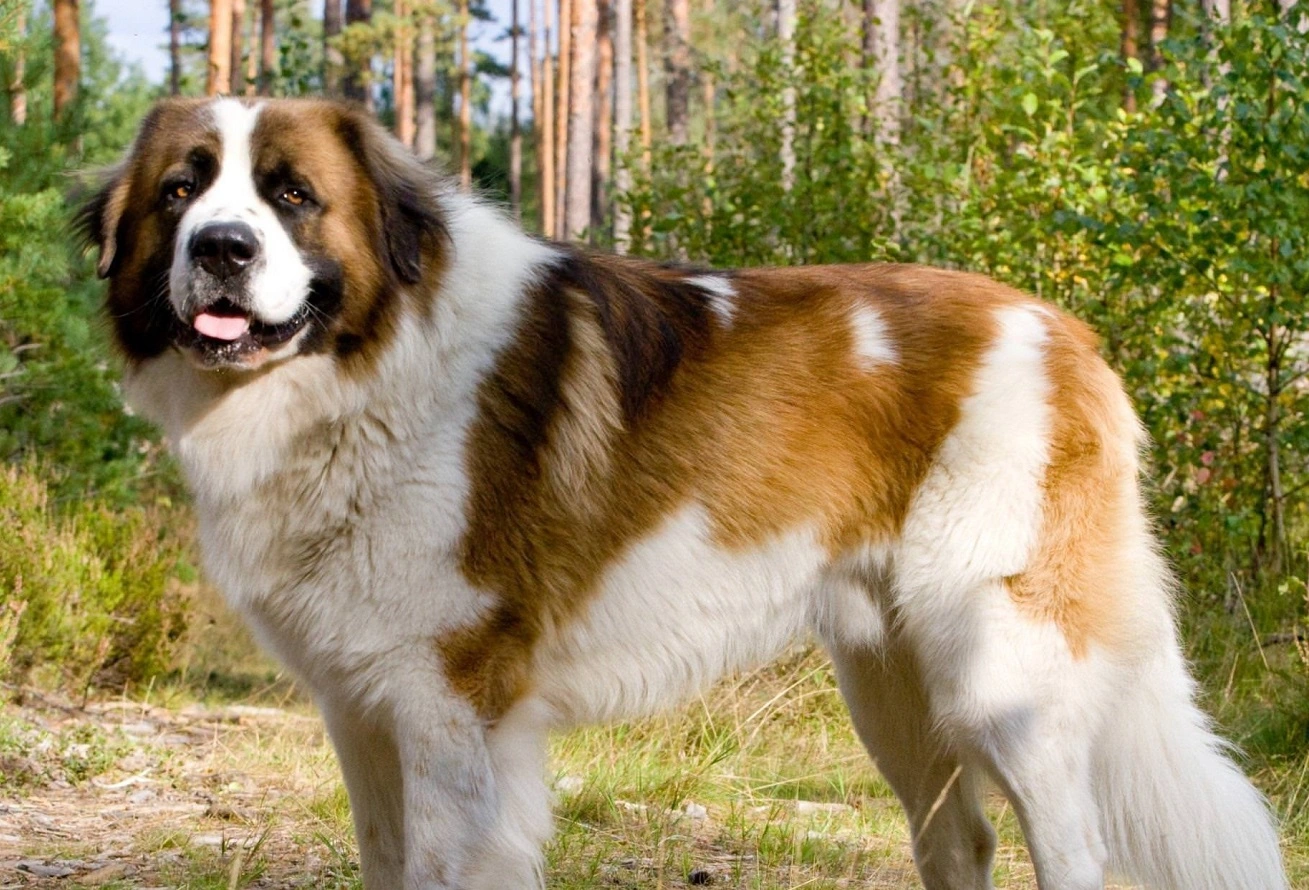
(952, 840)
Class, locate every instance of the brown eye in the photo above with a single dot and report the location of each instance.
(182, 190)
(294, 197)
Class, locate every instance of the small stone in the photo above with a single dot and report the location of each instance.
(569, 785)
(808, 807)
(696, 811)
(46, 869)
(140, 797)
(106, 873)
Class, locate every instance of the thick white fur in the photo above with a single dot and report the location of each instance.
(331, 510)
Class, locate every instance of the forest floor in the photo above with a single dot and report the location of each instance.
(760, 784)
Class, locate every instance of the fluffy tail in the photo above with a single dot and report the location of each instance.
(1177, 813)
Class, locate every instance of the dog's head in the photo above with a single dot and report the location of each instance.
(247, 233)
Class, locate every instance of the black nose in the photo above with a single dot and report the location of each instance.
(224, 249)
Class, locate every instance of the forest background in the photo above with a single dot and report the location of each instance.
(1142, 163)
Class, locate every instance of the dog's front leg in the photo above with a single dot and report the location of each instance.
(420, 785)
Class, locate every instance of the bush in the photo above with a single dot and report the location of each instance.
(92, 598)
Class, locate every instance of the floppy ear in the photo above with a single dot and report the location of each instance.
(99, 215)
(413, 225)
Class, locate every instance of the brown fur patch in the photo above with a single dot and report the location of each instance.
(768, 423)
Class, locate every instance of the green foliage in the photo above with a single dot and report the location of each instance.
(89, 597)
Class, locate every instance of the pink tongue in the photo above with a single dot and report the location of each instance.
(221, 327)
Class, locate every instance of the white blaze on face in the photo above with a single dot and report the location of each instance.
(278, 281)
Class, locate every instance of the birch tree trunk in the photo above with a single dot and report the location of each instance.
(333, 63)
(238, 46)
(577, 214)
(562, 95)
(882, 36)
(425, 90)
(17, 88)
(175, 47)
(267, 47)
(219, 81)
(1130, 46)
(515, 131)
(622, 122)
(677, 67)
(786, 36)
(465, 102)
(536, 69)
(602, 138)
(1161, 13)
(546, 153)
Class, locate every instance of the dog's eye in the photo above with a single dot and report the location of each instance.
(179, 191)
(294, 197)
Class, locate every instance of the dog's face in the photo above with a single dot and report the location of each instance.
(244, 234)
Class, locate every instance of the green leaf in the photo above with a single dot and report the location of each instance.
(1030, 104)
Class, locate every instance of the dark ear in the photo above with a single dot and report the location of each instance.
(413, 225)
(102, 201)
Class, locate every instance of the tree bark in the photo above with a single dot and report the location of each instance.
(175, 47)
(267, 47)
(622, 122)
(546, 152)
(564, 63)
(677, 68)
(581, 120)
(17, 88)
(786, 36)
(536, 69)
(515, 130)
(1161, 13)
(465, 102)
(219, 81)
(355, 82)
(425, 90)
(238, 46)
(602, 138)
(402, 76)
(643, 81)
(882, 37)
(251, 38)
(333, 63)
(1130, 46)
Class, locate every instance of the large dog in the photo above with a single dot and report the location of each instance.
(473, 486)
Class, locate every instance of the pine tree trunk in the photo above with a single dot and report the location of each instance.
(465, 102)
(643, 80)
(580, 117)
(546, 154)
(219, 81)
(402, 77)
(425, 90)
(1130, 46)
(175, 47)
(515, 130)
(17, 88)
(536, 70)
(677, 68)
(1161, 13)
(786, 36)
(602, 138)
(238, 47)
(332, 61)
(355, 82)
(564, 63)
(267, 47)
(622, 122)
(251, 39)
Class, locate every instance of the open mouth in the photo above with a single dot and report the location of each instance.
(225, 333)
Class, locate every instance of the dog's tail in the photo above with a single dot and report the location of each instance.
(1177, 813)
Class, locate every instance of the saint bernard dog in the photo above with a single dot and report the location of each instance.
(473, 486)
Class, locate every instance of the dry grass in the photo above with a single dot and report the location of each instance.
(761, 784)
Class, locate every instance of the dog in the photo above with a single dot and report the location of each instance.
(473, 486)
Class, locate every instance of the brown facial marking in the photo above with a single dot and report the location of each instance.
(376, 247)
(768, 423)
